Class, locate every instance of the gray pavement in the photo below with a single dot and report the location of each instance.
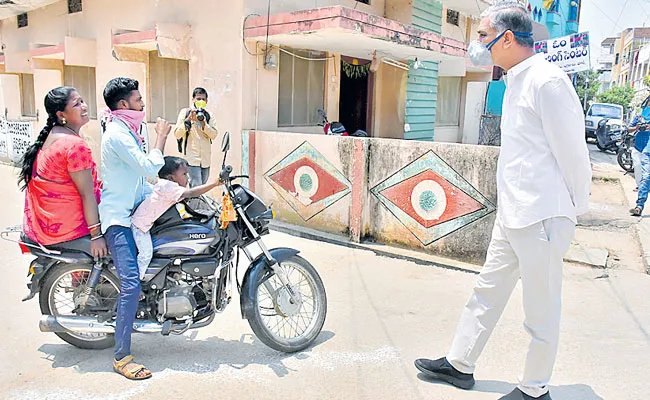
(383, 314)
(605, 165)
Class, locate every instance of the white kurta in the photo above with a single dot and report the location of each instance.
(543, 182)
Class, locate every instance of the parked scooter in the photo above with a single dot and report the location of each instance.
(609, 137)
(337, 128)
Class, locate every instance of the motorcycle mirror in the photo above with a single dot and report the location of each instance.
(225, 142)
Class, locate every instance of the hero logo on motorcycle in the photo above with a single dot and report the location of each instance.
(197, 235)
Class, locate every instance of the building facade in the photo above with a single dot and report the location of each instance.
(396, 69)
(605, 62)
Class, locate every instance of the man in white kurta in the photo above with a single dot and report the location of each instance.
(543, 184)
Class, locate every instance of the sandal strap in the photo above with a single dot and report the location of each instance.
(123, 362)
(135, 370)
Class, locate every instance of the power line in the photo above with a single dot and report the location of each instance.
(605, 14)
(619, 16)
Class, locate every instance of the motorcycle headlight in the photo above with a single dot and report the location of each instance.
(615, 127)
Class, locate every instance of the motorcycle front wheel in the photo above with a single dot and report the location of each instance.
(624, 158)
(287, 323)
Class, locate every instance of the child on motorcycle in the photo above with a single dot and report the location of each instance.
(169, 190)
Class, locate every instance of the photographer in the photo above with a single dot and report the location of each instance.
(194, 134)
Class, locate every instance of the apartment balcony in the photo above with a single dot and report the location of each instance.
(605, 58)
(353, 33)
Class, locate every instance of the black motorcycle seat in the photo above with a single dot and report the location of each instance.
(79, 245)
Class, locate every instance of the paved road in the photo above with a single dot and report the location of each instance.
(383, 313)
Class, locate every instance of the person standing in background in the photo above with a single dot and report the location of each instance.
(195, 134)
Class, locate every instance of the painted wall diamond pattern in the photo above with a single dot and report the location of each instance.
(307, 181)
(431, 199)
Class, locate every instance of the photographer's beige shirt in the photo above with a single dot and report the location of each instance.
(199, 149)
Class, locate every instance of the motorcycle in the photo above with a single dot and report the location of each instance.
(189, 280)
(337, 128)
(608, 137)
(624, 154)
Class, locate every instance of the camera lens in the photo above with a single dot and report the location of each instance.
(200, 115)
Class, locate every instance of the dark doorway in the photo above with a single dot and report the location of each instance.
(355, 88)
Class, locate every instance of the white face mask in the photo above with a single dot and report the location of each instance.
(481, 54)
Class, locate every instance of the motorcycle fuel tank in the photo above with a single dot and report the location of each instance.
(184, 239)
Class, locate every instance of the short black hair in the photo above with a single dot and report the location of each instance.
(198, 91)
(172, 164)
(118, 89)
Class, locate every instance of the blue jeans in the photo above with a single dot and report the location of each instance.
(198, 175)
(122, 247)
(644, 186)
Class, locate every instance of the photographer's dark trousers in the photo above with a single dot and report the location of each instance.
(198, 175)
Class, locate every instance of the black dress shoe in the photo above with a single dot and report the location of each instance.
(441, 369)
(519, 395)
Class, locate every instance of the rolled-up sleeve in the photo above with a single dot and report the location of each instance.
(146, 165)
(564, 128)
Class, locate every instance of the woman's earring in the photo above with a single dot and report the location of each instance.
(63, 121)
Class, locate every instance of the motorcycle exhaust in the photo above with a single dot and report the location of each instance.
(78, 324)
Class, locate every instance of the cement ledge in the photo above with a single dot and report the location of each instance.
(379, 249)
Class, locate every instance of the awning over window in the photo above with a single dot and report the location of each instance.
(170, 40)
(73, 51)
(352, 33)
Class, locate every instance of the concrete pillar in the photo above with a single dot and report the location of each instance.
(359, 180)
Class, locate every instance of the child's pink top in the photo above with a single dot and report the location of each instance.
(165, 194)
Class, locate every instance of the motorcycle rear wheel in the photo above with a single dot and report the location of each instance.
(59, 296)
(279, 322)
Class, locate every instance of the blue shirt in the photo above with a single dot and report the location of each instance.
(124, 169)
(642, 137)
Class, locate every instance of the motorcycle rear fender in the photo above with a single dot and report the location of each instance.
(260, 270)
(38, 268)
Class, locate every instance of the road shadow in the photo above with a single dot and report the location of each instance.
(562, 392)
(183, 353)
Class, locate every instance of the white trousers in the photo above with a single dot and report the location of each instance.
(534, 254)
(636, 161)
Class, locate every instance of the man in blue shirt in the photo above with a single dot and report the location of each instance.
(125, 166)
(641, 144)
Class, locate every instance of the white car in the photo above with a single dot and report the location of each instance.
(598, 111)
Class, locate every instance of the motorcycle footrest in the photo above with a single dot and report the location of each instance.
(166, 328)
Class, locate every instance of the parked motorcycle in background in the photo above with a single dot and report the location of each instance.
(609, 136)
(337, 128)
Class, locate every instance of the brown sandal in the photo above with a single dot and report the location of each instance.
(132, 372)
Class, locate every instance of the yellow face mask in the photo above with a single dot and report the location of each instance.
(200, 104)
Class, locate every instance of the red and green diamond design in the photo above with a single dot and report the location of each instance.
(431, 199)
(307, 181)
